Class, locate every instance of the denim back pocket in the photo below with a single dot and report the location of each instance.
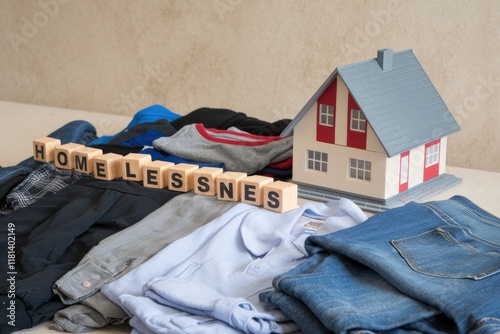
(449, 252)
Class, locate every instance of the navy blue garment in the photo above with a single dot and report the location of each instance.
(118, 149)
(79, 132)
(42, 182)
(51, 236)
(144, 134)
(10, 177)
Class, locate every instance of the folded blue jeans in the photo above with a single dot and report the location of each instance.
(400, 269)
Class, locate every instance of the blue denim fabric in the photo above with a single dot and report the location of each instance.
(403, 269)
(7, 173)
(296, 310)
(80, 132)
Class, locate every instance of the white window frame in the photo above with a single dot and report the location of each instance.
(404, 169)
(432, 155)
(358, 121)
(316, 161)
(326, 115)
(360, 170)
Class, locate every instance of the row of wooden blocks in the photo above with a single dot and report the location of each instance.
(257, 190)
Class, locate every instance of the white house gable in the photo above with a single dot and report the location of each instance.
(342, 99)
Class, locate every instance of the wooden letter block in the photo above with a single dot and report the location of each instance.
(280, 196)
(181, 177)
(83, 159)
(132, 166)
(108, 166)
(63, 155)
(252, 189)
(205, 180)
(43, 148)
(228, 186)
(155, 174)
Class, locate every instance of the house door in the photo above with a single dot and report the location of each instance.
(404, 171)
(432, 154)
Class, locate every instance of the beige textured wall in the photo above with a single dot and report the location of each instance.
(261, 57)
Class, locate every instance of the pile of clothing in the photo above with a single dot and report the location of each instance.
(85, 253)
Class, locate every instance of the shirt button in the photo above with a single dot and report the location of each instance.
(86, 284)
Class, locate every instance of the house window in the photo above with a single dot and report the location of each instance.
(326, 115)
(358, 120)
(360, 169)
(317, 161)
(404, 169)
(432, 155)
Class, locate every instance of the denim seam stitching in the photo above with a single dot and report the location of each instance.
(450, 221)
(454, 241)
(403, 251)
(278, 279)
(489, 221)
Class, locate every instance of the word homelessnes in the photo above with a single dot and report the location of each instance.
(230, 186)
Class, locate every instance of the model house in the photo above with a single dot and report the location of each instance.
(375, 131)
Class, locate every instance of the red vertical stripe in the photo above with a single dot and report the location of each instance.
(404, 171)
(355, 139)
(324, 133)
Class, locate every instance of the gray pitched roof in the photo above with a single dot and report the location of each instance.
(400, 103)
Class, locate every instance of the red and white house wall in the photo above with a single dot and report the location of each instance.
(336, 147)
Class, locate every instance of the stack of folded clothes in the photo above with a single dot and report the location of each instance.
(84, 253)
